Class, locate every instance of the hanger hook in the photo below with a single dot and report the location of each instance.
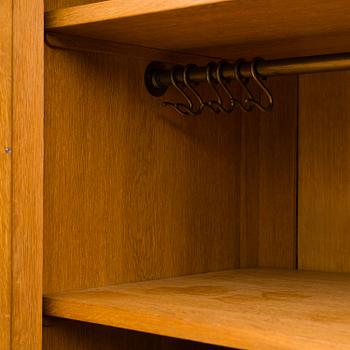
(246, 106)
(265, 90)
(233, 101)
(179, 107)
(216, 106)
(190, 87)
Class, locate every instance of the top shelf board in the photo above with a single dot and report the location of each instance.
(198, 26)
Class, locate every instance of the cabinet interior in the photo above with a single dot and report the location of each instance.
(133, 192)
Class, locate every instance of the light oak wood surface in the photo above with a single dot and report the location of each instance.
(132, 191)
(285, 47)
(70, 42)
(269, 180)
(55, 4)
(5, 172)
(324, 190)
(67, 334)
(153, 195)
(250, 309)
(148, 192)
(21, 133)
(201, 24)
(27, 166)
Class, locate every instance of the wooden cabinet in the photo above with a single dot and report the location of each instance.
(138, 228)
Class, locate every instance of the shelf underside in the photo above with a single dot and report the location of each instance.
(212, 27)
(246, 308)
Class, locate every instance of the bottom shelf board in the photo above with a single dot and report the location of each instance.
(244, 308)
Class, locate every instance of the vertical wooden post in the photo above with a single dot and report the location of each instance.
(5, 171)
(21, 173)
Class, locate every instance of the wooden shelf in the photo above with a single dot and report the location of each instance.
(247, 308)
(228, 25)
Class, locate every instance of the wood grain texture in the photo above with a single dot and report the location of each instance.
(85, 336)
(281, 48)
(69, 42)
(324, 192)
(269, 177)
(5, 171)
(248, 309)
(56, 4)
(151, 194)
(147, 193)
(27, 165)
(197, 24)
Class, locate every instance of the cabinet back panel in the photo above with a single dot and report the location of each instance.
(324, 190)
(133, 191)
(269, 180)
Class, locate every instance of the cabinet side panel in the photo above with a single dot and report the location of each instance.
(27, 155)
(5, 171)
(269, 178)
(132, 190)
(324, 190)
